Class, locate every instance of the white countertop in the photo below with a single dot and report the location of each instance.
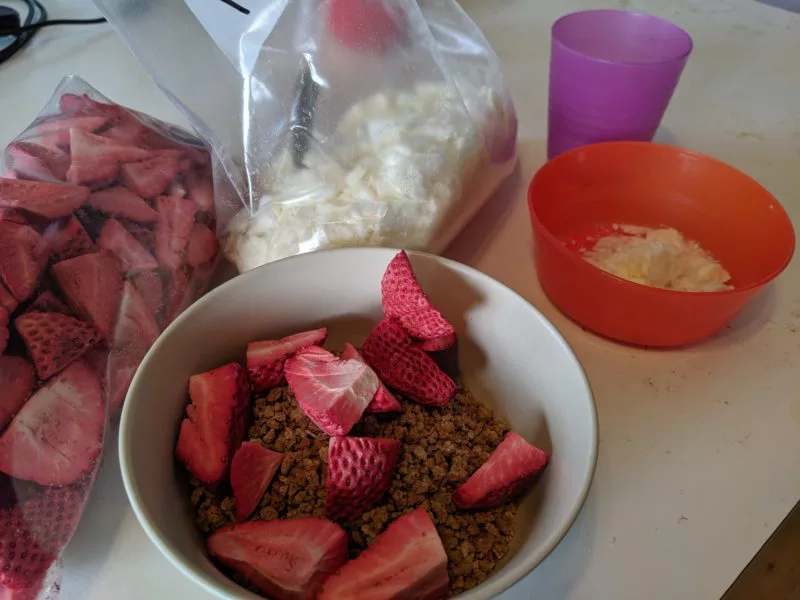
(698, 447)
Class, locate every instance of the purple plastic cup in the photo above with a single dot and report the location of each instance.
(612, 74)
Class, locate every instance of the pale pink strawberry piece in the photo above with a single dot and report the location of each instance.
(359, 473)
(143, 233)
(7, 301)
(252, 470)
(408, 560)
(86, 105)
(383, 401)
(47, 302)
(200, 189)
(57, 436)
(9, 174)
(48, 200)
(68, 239)
(120, 202)
(55, 131)
(54, 158)
(180, 292)
(92, 287)
(97, 158)
(134, 257)
(285, 559)
(151, 177)
(23, 255)
(265, 359)
(332, 392)
(122, 366)
(136, 322)
(151, 287)
(4, 335)
(202, 247)
(509, 471)
(173, 229)
(27, 166)
(16, 383)
(214, 423)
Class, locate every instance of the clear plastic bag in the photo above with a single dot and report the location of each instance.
(106, 234)
(333, 122)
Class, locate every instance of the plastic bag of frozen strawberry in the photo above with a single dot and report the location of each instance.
(106, 235)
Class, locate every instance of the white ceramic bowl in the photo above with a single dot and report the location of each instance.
(510, 356)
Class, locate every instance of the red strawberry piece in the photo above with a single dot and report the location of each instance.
(134, 257)
(47, 302)
(286, 559)
(200, 189)
(27, 166)
(511, 468)
(252, 470)
(202, 247)
(136, 322)
(180, 292)
(16, 383)
(151, 287)
(97, 158)
(14, 216)
(390, 351)
(120, 202)
(173, 230)
(57, 436)
(366, 24)
(407, 560)
(7, 301)
(151, 177)
(55, 131)
(67, 240)
(383, 401)
(404, 300)
(332, 392)
(86, 105)
(49, 200)
(265, 359)
(55, 159)
(437, 344)
(23, 254)
(359, 473)
(53, 340)
(4, 335)
(214, 423)
(92, 286)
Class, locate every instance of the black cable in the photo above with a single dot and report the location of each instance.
(40, 24)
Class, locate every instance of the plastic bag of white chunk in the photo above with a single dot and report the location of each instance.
(333, 122)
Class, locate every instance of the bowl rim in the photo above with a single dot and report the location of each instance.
(492, 587)
(575, 258)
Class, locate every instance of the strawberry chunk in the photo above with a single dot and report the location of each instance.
(366, 25)
(92, 286)
(67, 240)
(57, 436)
(266, 359)
(332, 392)
(16, 383)
(48, 200)
(23, 254)
(202, 246)
(46, 302)
(200, 189)
(173, 230)
(27, 166)
(133, 256)
(55, 131)
(151, 287)
(53, 340)
(404, 300)
(383, 401)
(359, 473)
(143, 234)
(95, 158)
(150, 177)
(7, 301)
(214, 423)
(407, 560)
(511, 468)
(252, 470)
(118, 201)
(86, 105)
(54, 158)
(390, 351)
(285, 559)
(179, 293)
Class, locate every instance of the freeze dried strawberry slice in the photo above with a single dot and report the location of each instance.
(53, 340)
(57, 436)
(202, 247)
(16, 384)
(383, 401)
(150, 177)
(266, 359)
(46, 302)
(96, 158)
(407, 560)
(173, 229)
(142, 232)
(332, 392)
(404, 300)
(133, 256)
(151, 287)
(136, 322)
(7, 301)
(4, 334)
(48, 200)
(359, 473)
(28, 166)
(120, 202)
(86, 105)
(286, 559)
(92, 286)
(54, 158)
(511, 468)
(55, 131)
(23, 254)
(67, 240)
(215, 422)
(179, 293)
(252, 470)
(390, 351)
(200, 189)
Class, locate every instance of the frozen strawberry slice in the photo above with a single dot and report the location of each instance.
(55, 131)
(16, 384)
(53, 340)
(122, 366)
(54, 158)
(47, 302)
(27, 166)
(285, 559)
(92, 286)
(57, 436)
(390, 351)
(265, 359)
(214, 423)
(96, 158)
(252, 470)
(68, 239)
(173, 230)
(404, 300)
(133, 256)
(4, 334)
(202, 247)
(180, 292)
(7, 301)
(359, 473)
(332, 392)
(120, 202)
(142, 232)
(200, 189)
(23, 254)
(86, 105)
(383, 401)
(136, 322)
(48, 200)
(151, 287)
(511, 468)
(407, 560)
(150, 177)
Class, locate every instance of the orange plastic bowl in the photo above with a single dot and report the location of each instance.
(585, 191)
